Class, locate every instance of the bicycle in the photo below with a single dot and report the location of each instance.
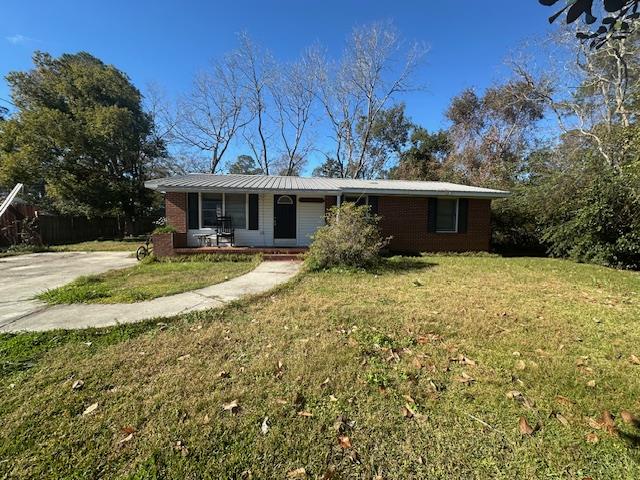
(145, 250)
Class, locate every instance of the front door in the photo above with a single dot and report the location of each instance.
(284, 216)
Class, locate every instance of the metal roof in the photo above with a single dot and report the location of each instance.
(202, 182)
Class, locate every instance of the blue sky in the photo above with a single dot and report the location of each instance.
(165, 42)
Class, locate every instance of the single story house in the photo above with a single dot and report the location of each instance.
(279, 211)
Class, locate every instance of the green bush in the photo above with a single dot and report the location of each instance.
(165, 229)
(350, 238)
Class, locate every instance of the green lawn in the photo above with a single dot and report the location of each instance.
(100, 246)
(417, 364)
(151, 279)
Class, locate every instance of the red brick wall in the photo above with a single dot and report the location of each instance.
(175, 204)
(163, 244)
(405, 218)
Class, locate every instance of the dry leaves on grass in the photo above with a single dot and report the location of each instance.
(181, 448)
(465, 378)
(630, 418)
(634, 360)
(264, 428)
(462, 360)
(428, 338)
(90, 409)
(561, 418)
(304, 413)
(297, 473)
(525, 428)
(520, 365)
(344, 441)
(520, 398)
(592, 438)
(604, 422)
(77, 385)
(232, 406)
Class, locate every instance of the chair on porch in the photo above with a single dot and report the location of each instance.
(225, 230)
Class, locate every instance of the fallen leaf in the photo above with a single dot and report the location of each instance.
(180, 447)
(325, 383)
(525, 428)
(464, 360)
(428, 338)
(562, 419)
(344, 441)
(297, 473)
(520, 365)
(417, 283)
(126, 439)
(604, 422)
(465, 378)
(304, 413)
(564, 400)
(591, 383)
(91, 408)
(184, 357)
(407, 411)
(592, 438)
(329, 473)
(333, 398)
(628, 417)
(416, 363)
(128, 429)
(635, 360)
(516, 354)
(264, 428)
(232, 406)
(206, 419)
(409, 399)
(77, 385)
(223, 374)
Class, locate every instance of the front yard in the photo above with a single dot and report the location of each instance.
(151, 279)
(434, 367)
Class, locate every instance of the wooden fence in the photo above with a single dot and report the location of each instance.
(58, 229)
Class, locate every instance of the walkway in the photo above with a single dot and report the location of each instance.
(43, 317)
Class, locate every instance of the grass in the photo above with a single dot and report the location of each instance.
(151, 278)
(358, 351)
(100, 246)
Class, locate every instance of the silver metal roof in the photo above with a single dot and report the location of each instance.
(203, 182)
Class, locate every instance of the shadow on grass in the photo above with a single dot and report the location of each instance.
(402, 264)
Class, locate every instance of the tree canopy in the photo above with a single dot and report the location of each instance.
(80, 137)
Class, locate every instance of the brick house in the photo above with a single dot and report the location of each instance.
(276, 211)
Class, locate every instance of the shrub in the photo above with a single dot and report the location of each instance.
(350, 238)
(165, 229)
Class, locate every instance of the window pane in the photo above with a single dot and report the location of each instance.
(211, 209)
(446, 216)
(235, 207)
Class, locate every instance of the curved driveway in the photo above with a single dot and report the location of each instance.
(23, 277)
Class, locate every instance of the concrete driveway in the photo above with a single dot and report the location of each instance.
(21, 278)
(24, 276)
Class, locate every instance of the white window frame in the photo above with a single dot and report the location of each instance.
(224, 210)
(455, 230)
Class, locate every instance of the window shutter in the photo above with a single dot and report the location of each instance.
(432, 213)
(253, 211)
(463, 215)
(373, 204)
(192, 211)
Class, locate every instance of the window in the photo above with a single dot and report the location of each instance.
(235, 206)
(211, 209)
(447, 216)
(285, 200)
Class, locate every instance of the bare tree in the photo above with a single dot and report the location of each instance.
(591, 93)
(293, 92)
(256, 68)
(375, 67)
(210, 116)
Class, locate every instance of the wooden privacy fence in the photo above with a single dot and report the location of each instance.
(59, 229)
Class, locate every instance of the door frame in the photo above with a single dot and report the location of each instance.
(294, 238)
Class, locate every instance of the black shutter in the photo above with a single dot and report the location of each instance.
(253, 211)
(373, 204)
(432, 214)
(463, 215)
(193, 213)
